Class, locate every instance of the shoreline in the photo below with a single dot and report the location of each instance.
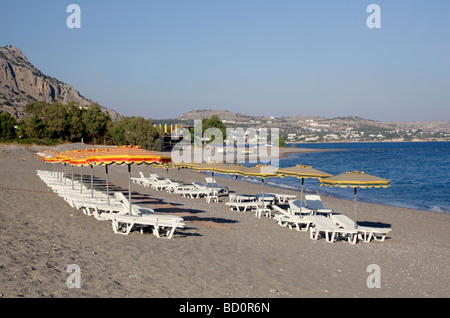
(362, 141)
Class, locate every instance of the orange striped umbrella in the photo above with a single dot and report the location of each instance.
(127, 155)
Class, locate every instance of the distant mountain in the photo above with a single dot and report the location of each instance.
(207, 113)
(22, 83)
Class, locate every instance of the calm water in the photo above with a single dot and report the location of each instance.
(419, 172)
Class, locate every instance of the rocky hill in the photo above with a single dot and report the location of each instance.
(22, 83)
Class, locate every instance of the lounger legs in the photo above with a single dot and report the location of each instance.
(127, 227)
(330, 236)
(117, 225)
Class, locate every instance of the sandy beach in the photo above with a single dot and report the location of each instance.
(219, 254)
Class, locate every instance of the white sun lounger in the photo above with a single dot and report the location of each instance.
(325, 225)
(234, 197)
(294, 207)
(243, 206)
(314, 203)
(283, 198)
(158, 183)
(143, 180)
(192, 192)
(127, 222)
(145, 217)
(209, 189)
(287, 220)
(211, 182)
(173, 187)
(366, 233)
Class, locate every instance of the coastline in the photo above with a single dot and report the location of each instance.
(220, 253)
(363, 141)
(285, 151)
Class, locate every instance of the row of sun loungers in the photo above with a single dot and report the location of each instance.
(312, 216)
(332, 226)
(116, 208)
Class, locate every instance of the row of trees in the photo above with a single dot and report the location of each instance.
(65, 122)
(68, 122)
(57, 123)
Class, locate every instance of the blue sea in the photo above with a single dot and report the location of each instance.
(419, 172)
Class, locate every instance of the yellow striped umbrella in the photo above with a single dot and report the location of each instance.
(260, 171)
(218, 167)
(355, 179)
(303, 171)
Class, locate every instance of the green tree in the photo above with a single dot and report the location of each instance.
(135, 131)
(21, 130)
(34, 120)
(214, 122)
(35, 127)
(279, 142)
(75, 129)
(95, 122)
(7, 127)
(55, 119)
(36, 109)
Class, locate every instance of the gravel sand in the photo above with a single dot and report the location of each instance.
(220, 253)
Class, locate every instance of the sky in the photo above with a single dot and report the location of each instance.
(161, 58)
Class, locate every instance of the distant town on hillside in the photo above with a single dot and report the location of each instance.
(295, 129)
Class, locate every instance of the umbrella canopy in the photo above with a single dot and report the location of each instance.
(225, 168)
(120, 155)
(260, 171)
(355, 179)
(302, 172)
(127, 155)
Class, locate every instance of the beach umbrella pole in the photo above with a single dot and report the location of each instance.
(92, 182)
(81, 180)
(129, 187)
(72, 177)
(301, 196)
(107, 183)
(262, 182)
(355, 210)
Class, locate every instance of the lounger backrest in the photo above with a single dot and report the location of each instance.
(295, 204)
(120, 197)
(343, 220)
(278, 209)
(172, 183)
(199, 185)
(323, 222)
(313, 202)
(155, 176)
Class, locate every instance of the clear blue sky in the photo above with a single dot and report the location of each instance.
(159, 59)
